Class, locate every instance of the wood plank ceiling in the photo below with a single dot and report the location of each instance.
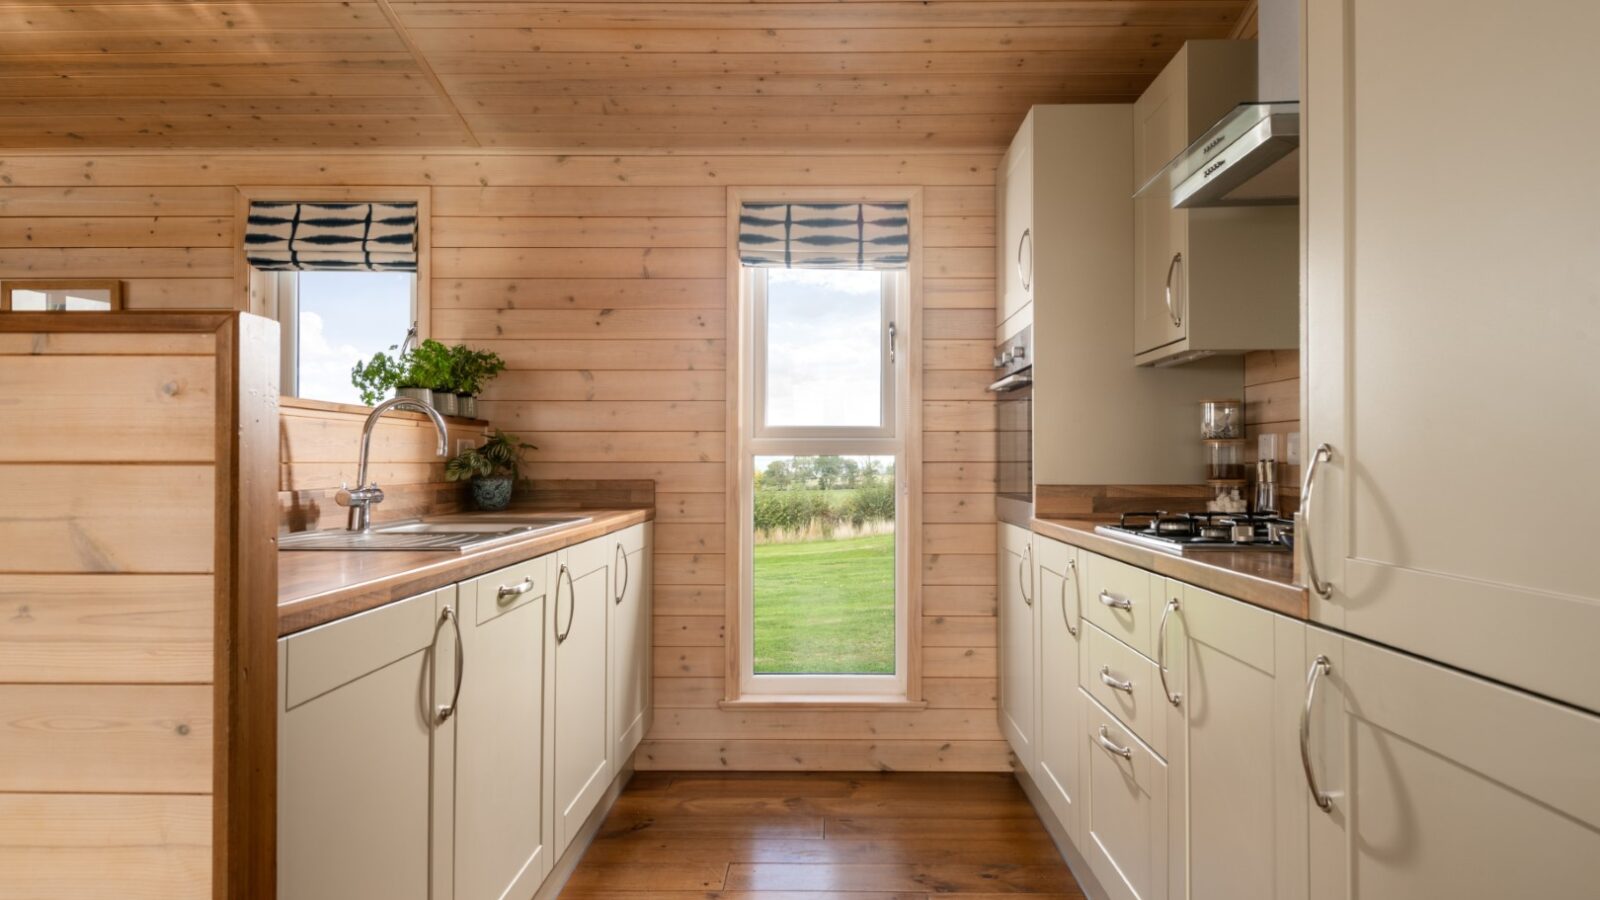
(587, 75)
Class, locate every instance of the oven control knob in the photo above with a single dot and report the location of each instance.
(1021, 352)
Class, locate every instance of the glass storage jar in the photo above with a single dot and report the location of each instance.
(1221, 419)
(1225, 459)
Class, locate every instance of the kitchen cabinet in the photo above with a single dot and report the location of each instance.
(581, 593)
(1451, 316)
(1206, 281)
(1014, 245)
(1019, 675)
(1442, 784)
(366, 760)
(630, 633)
(1060, 716)
(1234, 686)
(1124, 809)
(502, 833)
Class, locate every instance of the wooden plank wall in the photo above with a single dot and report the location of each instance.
(107, 474)
(601, 280)
(1272, 406)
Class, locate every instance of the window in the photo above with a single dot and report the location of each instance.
(824, 607)
(330, 321)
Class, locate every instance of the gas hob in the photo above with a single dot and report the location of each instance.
(1183, 533)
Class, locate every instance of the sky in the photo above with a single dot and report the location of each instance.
(346, 317)
(825, 347)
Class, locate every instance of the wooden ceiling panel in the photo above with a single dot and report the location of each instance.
(680, 75)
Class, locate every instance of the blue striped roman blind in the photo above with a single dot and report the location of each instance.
(284, 235)
(825, 235)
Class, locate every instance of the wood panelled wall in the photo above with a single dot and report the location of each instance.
(1272, 406)
(601, 280)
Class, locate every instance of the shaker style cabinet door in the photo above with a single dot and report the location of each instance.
(365, 762)
(1451, 314)
(1060, 731)
(1234, 684)
(1440, 784)
(630, 616)
(1018, 643)
(502, 812)
(581, 592)
(1015, 244)
(1159, 134)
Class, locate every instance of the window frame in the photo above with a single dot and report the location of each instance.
(887, 439)
(280, 291)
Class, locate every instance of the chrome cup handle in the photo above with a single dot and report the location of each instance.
(1319, 667)
(1173, 697)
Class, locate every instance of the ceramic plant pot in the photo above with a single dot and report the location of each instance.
(421, 395)
(445, 403)
(492, 493)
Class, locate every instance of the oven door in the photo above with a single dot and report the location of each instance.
(1014, 449)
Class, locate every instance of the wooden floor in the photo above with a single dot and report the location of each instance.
(844, 836)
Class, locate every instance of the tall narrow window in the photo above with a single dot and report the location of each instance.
(826, 567)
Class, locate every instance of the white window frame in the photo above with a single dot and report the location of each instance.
(889, 438)
(280, 295)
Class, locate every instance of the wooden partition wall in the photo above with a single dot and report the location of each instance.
(138, 607)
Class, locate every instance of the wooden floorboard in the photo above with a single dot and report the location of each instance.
(823, 836)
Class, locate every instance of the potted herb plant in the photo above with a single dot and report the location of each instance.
(377, 376)
(493, 469)
(425, 368)
(477, 368)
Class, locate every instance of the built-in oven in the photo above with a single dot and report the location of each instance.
(1013, 390)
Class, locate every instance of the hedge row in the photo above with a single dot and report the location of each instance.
(799, 510)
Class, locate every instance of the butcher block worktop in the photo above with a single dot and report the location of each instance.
(320, 586)
(1264, 578)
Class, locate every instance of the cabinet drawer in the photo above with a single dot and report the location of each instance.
(1121, 599)
(1125, 810)
(506, 589)
(1139, 708)
(323, 658)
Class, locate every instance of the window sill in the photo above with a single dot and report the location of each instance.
(823, 702)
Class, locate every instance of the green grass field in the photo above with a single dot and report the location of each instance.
(825, 607)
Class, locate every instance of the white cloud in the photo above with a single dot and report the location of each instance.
(325, 366)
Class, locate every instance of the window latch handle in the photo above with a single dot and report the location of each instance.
(892, 332)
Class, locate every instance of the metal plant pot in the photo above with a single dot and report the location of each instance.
(421, 395)
(468, 405)
(492, 493)
(445, 403)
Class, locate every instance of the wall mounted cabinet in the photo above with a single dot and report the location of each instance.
(1014, 242)
(1206, 281)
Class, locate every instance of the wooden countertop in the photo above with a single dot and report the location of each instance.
(320, 586)
(1263, 578)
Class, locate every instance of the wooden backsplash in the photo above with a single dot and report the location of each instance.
(1272, 406)
(318, 446)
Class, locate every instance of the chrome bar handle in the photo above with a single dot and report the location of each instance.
(1319, 667)
(572, 599)
(445, 712)
(510, 592)
(1024, 565)
(627, 571)
(1112, 600)
(1113, 682)
(1176, 699)
(1324, 454)
(1110, 746)
(1172, 308)
(1026, 275)
(1072, 575)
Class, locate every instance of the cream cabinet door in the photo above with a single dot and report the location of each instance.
(1440, 784)
(1235, 679)
(581, 593)
(1452, 304)
(1159, 134)
(1060, 730)
(365, 765)
(630, 633)
(1015, 248)
(1018, 644)
(502, 814)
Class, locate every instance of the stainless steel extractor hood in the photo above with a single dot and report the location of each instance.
(1252, 156)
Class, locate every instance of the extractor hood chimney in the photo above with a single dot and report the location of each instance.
(1252, 155)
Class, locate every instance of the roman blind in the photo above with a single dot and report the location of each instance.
(285, 235)
(825, 235)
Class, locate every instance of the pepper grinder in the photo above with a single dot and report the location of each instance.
(1266, 487)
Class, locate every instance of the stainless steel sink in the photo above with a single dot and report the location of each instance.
(460, 536)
